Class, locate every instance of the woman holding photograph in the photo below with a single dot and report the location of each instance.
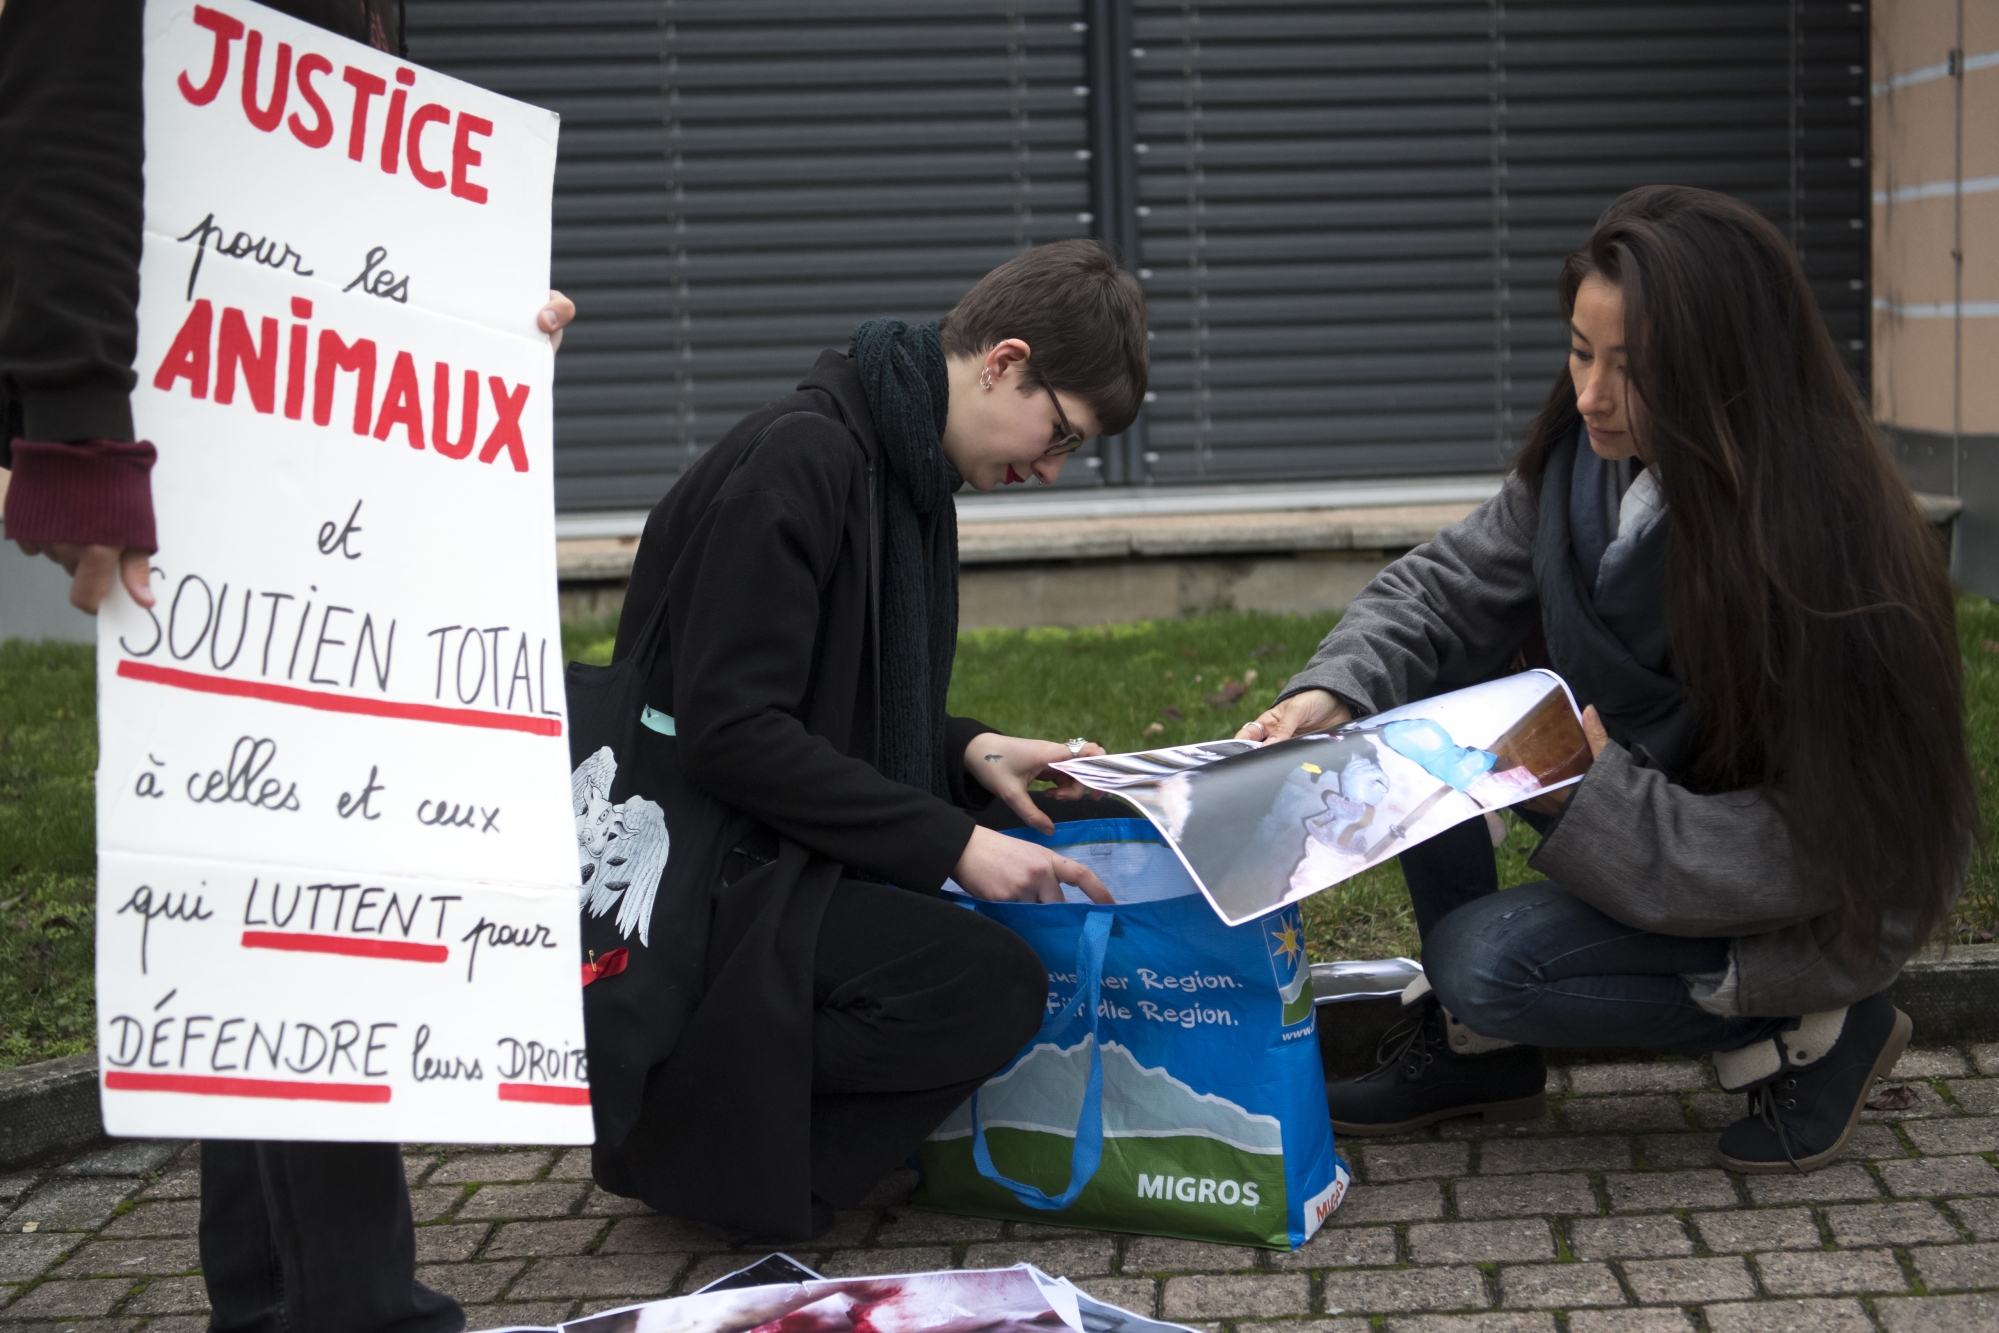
(1705, 539)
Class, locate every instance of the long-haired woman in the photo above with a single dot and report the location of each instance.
(1705, 539)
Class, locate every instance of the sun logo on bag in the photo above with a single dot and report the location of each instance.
(1284, 936)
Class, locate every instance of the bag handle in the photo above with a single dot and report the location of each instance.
(1089, 1150)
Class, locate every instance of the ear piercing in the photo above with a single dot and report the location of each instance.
(986, 378)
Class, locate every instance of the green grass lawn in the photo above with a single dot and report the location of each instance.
(1112, 684)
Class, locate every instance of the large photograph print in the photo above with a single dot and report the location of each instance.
(1259, 826)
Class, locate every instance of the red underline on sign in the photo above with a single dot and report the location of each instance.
(544, 1092)
(337, 703)
(346, 945)
(211, 1085)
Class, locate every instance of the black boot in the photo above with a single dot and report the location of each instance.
(1808, 1086)
(1432, 1068)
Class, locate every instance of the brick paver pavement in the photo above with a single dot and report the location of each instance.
(1607, 1216)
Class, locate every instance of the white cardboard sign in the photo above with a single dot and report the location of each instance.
(337, 873)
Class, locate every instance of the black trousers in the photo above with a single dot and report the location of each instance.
(313, 1238)
(918, 1002)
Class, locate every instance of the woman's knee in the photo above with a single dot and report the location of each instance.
(1018, 984)
(1483, 959)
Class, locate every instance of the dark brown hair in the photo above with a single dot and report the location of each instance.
(1081, 316)
(1809, 604)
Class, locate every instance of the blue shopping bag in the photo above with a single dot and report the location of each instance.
(1175, 1087)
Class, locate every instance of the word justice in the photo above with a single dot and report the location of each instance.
(230, 352)
(401, 137)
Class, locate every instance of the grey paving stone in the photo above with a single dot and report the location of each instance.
(1979, 1216)
(469, 1283)
(64, 1300)
(1811, 1316)
(482, 1167)
(1159, 1254)
(1630, 1321)
(1688, 1281)
(1857, 1224)
(905, 1226)
(1972, 1134)
(1749, 1229)
(653, 1234)
(603, 1203)
(1830, 1272)
(1655, 1076)
(1957, 1267)
(1871, 1142)
(1717, 1110)
(1557, 1286)
(1839, 1183)
(540, 1240)
(25, 1257)
(528, 1314)
(122, 1157)
(1661, 1191)
(1471, 1127)
(1480, 1242)
(1930, 1062)
(1071, 1256)
(169, 1217)
(430, 1202)
(893, 1259)
(1985, 1056)
(1624, 1115)
(134, 1258)
(1669, 1151)
(1628, 1238)
(1385, 1164)
(631, 1275)
(182, 1180)
(1978, 1096)
(1140, 1295)
(170, 1295)
(416, 1166)
(1357, 1290)
(1940, 1175)
(1518, 1196)
(1052, 1231)
(13, 1184)
(1348, 1325)
(1355, 1247)
(548, 1198)
(71, 1205)
(172, 1323)
(1928, 1102)
(1940, 1314)
(1558, 1154)
(1410, 1202)
(451, 1243)
(573, 1164)
(1222, 1296)
(849, 1229)
(1510, 1321)
(892, 1190)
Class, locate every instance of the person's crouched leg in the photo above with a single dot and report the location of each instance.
(919, 1001)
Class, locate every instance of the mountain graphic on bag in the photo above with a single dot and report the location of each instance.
(1175, 1087)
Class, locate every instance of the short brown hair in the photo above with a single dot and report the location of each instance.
(1082, 317)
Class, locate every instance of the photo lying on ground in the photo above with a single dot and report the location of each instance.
(1259, 826)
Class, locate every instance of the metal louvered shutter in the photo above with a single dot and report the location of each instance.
(740, 182)
(1351, 214)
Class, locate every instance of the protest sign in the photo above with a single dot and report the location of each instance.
(1259, 826)
(337, 869)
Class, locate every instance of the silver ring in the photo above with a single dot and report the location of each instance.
(1075, 744)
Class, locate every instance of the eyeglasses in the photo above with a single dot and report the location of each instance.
(1071, 439)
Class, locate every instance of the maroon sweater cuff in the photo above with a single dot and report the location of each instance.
(90, 493)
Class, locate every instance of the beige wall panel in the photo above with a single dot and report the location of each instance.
(1912, 364)
(1912, 132)
(1912, 243)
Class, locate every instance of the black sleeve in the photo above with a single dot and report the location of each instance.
(72, 138)
(743, 613)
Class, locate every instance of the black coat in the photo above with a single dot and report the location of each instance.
(766, 552)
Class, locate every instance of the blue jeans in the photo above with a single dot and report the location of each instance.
(1538, 966)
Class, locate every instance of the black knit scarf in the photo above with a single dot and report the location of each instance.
(909, 392)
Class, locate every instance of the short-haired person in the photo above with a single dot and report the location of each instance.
(808, 563)
(1705, 539)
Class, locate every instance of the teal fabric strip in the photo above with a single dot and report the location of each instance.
(658, 721)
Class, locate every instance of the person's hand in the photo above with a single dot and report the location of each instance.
(1011, 870)
(1005, 765)
(92, 570)
(1301, 714)
(1553, 802)
(554, 317)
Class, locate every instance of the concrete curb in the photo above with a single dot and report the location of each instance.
(1952, 996)
(47, 1107)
